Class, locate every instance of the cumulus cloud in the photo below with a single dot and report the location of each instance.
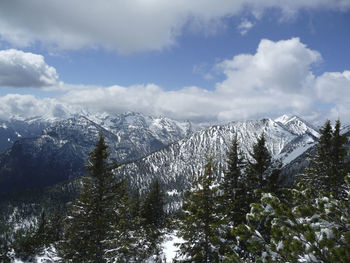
(24, 69)
(129, 26)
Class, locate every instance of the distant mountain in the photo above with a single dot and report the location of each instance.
(14, 130)
(62, 149)
(179, 163)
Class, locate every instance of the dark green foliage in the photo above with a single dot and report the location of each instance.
(5, 250)
(231, 184)
(26, 244)
(316, 228)
(200, 225)
(153, 218)
(126, 236)
(88, 220)
(328, 166)
(232, 199)
(153, 206)
(258, 168)
(54, 227)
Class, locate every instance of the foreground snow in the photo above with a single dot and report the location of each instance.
(170, 251)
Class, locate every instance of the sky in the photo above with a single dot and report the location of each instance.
(199, 60)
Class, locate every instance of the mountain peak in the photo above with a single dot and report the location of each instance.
(284, 118)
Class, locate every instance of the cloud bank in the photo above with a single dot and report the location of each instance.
(130, 26)
(277, 78)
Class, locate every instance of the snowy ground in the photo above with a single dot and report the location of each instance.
(169, 251)
(169, 247)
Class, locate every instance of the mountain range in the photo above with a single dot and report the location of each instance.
(49, 155)
(61, 149)
(44, 152)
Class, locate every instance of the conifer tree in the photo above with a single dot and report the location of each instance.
(153, 206)
(316, 228)
(200, 224)
(88, 220)
(231, 183)
(328, 166)
(125, 237)
(153, 218)
(257, 169)
(232, 198)
(338, 156)
(5, 249)
(55, 225)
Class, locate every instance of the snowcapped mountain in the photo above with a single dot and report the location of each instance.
(179, 163)
(297, 126)
(62, 149)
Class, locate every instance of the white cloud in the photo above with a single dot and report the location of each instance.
(28, 106)
(245, 26)
(277, 79)
(23, 69)
(334, 88)
(129, 26)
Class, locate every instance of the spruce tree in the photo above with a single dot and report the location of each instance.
(88, 220)
(153, 218)
(316, 228)
(231, 183)
(200, 224)
(258, 168)
(126, 237)
(338, 156)
(328, 165)
(231, 201)
(153, 206)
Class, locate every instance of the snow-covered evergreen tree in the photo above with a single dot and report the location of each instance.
(314, 229)
(328, 166)
(200, 225)
(89, 217)
(232, 196)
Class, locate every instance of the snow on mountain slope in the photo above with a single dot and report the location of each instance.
(298, 126)
(178, 164)
(63, 148)
(146, 133)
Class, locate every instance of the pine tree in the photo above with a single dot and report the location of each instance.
(125, 237)
(231, 201)
(231, 183)
(316, 228)
(88, 220)
(153, 206)
(200, 224)
(327, 166)
(338, 156)
(153, 218)
(258, 168)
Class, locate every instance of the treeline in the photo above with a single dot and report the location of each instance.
(244, 215)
